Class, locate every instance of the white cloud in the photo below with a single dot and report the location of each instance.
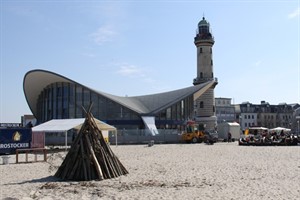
(294, 14)
(104, 34)
(131, 70)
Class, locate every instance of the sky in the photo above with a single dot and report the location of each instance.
(131, 48)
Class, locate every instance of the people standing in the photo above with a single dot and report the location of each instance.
(229, 137)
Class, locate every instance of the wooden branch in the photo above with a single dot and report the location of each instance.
(94, 159)
(83, 158)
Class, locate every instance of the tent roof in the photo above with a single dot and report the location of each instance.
(63, 125)
(280, 129)
(258, 128)
(233, 124)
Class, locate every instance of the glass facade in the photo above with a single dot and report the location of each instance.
(63, 100)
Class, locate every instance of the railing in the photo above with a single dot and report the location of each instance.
(202, 80)
(10, 125)
(134, 136)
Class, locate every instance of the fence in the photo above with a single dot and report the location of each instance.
(143, 136)
(125, 136)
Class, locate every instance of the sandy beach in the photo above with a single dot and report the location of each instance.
(173, 171)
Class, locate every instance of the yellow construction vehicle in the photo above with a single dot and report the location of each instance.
(193, 133)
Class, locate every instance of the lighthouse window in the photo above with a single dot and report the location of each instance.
(200, 50)
(211, 62)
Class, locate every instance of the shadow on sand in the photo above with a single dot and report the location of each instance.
(39, 180)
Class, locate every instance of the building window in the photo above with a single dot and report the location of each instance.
(168, 113)
(201, 104)
(58, 91)
(200, 50)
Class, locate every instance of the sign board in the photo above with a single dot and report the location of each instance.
(14, 138)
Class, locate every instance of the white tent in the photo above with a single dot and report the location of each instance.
(279, 129)
(64, 125)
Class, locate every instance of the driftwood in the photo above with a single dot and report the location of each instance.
(90, 157)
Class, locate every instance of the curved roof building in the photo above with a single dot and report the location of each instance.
(53, 96)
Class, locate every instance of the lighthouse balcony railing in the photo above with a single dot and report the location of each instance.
(203, 80)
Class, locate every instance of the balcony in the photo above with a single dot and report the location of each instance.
(198, 80)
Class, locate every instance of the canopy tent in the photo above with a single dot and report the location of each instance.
(279, 129)
(256, 130)
(64, 125)
(233, 124)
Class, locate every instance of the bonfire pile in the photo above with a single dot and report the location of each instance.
(90, 157)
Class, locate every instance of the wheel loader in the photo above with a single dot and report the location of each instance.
(193, 133)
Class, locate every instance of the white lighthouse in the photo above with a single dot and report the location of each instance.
(204, 106)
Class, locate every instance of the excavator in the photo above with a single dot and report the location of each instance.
(193, 133)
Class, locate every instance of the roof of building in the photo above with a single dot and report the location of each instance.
(36, 80)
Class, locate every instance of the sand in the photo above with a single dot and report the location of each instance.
(173, 171)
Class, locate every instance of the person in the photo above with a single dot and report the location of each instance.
(74, 134)
(229, 137)
(29, 125)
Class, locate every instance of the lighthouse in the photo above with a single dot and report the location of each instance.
(204, 106)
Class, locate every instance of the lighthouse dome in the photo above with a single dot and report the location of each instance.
(203, 22)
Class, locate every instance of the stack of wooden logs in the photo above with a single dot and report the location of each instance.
(90, 157)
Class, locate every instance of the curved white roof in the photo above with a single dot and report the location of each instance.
(36, 80)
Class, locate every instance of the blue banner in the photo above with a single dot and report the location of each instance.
(14, 138)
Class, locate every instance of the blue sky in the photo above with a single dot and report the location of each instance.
(145, 47)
